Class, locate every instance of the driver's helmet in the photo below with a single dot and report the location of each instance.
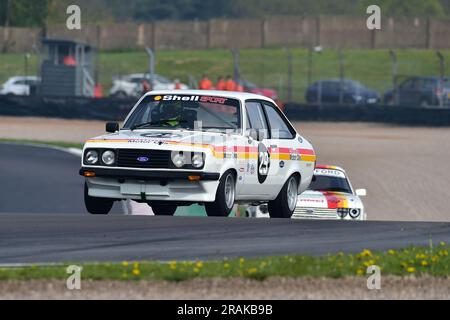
(171, 110)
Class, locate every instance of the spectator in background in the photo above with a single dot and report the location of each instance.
(230, 84)
(145, 86)
(69, 60)
(205, 83)
(177, 84)
(221, 84)
(239, 87)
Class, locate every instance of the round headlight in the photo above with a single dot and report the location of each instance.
(108, 157)
(91, 157)
(178, 160)
(197, 160)
(354, 213)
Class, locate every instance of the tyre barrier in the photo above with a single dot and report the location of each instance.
(400, 115)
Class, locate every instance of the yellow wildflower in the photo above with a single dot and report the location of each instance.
(411, 269)
(424, 263)
(366, 253)
(443, 253)
(136, 272)
(125, 263)
(173, 265)
(420, 256)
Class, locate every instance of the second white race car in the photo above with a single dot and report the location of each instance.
(330, 196)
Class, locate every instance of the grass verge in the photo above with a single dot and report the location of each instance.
(410, 261)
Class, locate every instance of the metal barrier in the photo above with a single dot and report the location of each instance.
(401, 115)
(111, 109)
(66, 107)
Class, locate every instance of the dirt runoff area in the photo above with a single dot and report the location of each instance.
(404, 169)
(235, 288)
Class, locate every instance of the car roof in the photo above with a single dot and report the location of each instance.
(23, 78)
(427, 77)
(322, 166)
(227, 94)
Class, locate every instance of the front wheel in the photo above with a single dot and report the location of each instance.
(162, 209)
(96, 205)
(286, 201)
(225, 195)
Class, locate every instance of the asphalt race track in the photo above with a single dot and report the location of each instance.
(40, 180)
(37, 238)
(41, 194)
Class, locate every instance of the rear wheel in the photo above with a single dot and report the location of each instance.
(284, 204)
(225, 195)
(96, 205)
(163, 209)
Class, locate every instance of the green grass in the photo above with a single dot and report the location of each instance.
(409, 261)
(266, 67)
(60, 144)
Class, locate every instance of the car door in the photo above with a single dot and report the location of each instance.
(282, 147)
(330, 92)
(258, 165)
(407, 92)
(20, 87)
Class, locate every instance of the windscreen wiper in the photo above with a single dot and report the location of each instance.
(154, 123)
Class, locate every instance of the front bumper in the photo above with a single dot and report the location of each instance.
(148, 175)
(323, 214)
(146, 185)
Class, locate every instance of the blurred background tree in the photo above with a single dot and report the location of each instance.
(23, 13)
(37, 12)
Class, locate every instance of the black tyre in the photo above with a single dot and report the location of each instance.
(162, 209)
(225, 195)
(284, 204)
(96, 205)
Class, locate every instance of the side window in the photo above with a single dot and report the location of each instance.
(256, 117)
(407, 84)
(279, 128)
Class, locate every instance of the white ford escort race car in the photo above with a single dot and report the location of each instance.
(330, 196)
(214, 148)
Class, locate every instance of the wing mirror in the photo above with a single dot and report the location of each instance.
(112, 127)
(361, 192)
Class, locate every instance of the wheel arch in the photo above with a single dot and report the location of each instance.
(297, 176)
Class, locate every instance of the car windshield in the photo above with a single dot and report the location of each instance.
(354, 85)
(190, 112)
(330, 180)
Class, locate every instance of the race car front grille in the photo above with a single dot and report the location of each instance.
(137, 158)
(315, 213)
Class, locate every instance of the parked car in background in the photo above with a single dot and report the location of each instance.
(132, 85)
(330, 91)
(421, 91)
(20, 86)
